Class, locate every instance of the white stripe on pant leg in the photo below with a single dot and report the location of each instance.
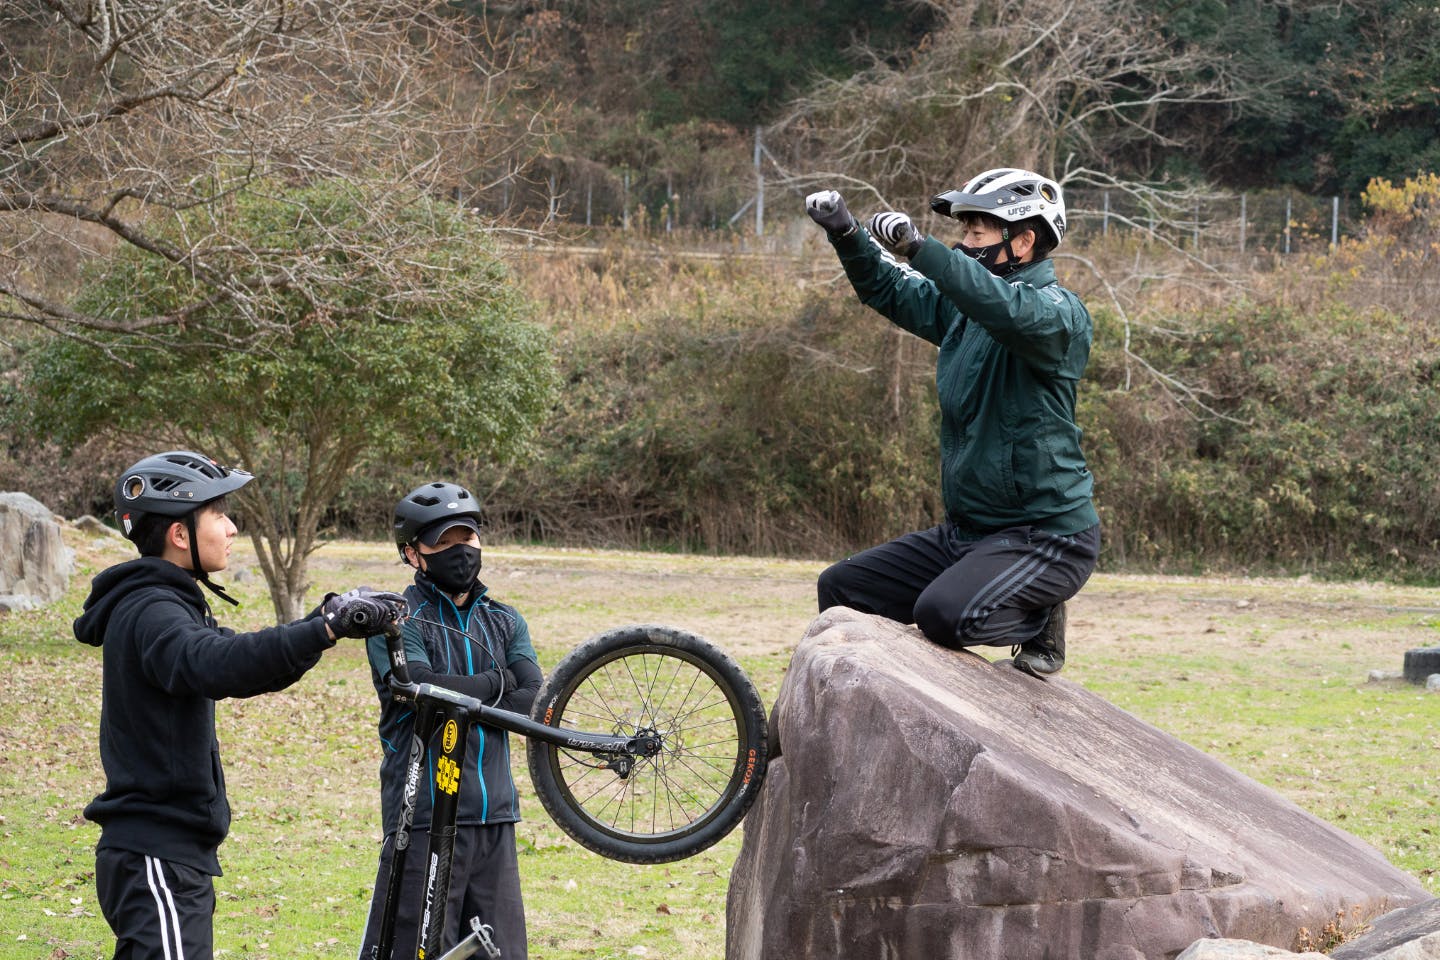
(165, 904)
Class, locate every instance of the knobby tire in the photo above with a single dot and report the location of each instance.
(709, 720)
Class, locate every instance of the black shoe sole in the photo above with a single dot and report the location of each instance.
(1025, 668)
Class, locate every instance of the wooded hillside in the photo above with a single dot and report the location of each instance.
(309, 179)
(1317, 96)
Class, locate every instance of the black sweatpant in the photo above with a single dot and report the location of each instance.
(997, 590)
(484, 882)
(158, 910)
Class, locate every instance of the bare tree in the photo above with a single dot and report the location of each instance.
(1052, 85)
(117, 116)
(1083, 90)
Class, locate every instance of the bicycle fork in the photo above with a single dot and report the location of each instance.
(453, 721)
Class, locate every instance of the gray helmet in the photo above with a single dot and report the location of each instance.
(1011, 195)
(430, 503)
(172, 484)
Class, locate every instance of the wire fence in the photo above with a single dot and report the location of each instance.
(742, 196)
(1273, 221)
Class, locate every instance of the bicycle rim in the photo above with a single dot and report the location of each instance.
(697, 719)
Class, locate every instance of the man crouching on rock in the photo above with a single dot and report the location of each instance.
(1021, 535)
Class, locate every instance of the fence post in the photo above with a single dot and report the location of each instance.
(589, 192)
(1243, 198)
(759, 189)
(1195, 235)
(1288, 199)
(625, 203)
(1334, 222)
(669, 200)
(1105, 216)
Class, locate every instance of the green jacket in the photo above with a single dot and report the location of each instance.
(1011, 353)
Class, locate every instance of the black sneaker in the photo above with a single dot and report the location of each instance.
(1044, 654)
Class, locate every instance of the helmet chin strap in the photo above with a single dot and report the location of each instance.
(199, 572)
(1011, 264)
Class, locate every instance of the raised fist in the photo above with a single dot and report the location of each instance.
(896, 233)
(827, 208)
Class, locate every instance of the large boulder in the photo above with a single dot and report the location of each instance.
(931, 804)
(35, 564)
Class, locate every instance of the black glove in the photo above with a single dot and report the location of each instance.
(896, 233)
(827, 208)
(361, 612)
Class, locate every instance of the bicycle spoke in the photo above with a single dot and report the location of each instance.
(694, 768)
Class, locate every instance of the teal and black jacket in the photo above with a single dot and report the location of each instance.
(1011, 353)
(469, 655)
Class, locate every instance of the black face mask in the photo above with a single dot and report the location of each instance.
(985, 256)
(453, 569)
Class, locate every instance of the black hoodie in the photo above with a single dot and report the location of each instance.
(166, 663)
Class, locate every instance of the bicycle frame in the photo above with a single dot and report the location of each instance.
(437, 708)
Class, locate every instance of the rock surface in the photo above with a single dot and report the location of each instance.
(96, 527)
(931, 804)
(1241, 950)
(1416, 927)
(35, 564)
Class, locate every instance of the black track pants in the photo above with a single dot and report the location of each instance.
(484, 882)
(158, 910)
(997, 590)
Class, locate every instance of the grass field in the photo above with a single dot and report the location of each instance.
(1269, 676)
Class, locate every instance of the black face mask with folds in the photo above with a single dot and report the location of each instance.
(985, 256)
(453, 569)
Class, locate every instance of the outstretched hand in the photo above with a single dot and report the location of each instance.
(896, 233)
(361, 612)
(828, 209)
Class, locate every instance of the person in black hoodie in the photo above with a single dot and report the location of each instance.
(164, 811)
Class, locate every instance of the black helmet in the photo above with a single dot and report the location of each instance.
(172, 484)
(427, 505)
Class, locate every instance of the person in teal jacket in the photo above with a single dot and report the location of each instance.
(458, 636)
(1021, 534)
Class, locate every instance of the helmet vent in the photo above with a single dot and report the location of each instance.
(425, 500)
(205, 467)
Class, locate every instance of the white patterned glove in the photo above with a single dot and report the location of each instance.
(896, 233)
(828, 209)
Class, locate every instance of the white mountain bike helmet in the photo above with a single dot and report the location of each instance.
(1010, 195)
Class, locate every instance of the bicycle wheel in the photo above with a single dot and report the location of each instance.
(666, 684)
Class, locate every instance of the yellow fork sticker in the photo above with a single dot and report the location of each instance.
(447, 775)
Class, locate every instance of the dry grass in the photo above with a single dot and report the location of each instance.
(1269, 676)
